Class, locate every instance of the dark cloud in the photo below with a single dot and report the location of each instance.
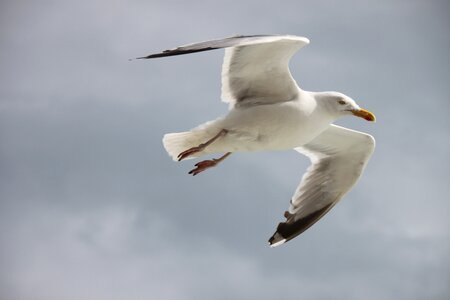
(92, 206)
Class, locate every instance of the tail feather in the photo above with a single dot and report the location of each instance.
(175, 143)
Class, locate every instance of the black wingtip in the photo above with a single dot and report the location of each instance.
(203, 46)
(272, 239)
(291, 228)
(276, 240)
(175, 52)
(143, 57)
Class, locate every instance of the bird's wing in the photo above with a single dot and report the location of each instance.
(338, 158)
(255, 68)
(258, 72)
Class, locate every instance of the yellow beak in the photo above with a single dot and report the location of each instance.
(365, 114)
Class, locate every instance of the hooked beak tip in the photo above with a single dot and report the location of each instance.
(365, 114)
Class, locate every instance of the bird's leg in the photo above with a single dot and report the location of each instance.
(206, 164)
(201, 147)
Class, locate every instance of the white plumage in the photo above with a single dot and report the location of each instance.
(268, 111)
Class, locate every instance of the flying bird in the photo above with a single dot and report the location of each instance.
(269, 111)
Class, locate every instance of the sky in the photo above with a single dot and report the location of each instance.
(91, 206)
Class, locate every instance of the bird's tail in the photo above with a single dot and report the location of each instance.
(175, 143)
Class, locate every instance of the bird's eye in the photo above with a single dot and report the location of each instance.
(342, 102)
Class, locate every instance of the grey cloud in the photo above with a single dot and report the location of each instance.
(92, 206)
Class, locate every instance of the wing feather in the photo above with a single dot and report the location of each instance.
(255, 68)
(232, 41)
(258, 73)
(339, 156)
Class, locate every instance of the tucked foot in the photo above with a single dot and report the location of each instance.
(204, 165)
(201, 147)
(189, 152)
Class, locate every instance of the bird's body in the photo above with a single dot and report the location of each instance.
(268, 127)
(268, 111)
(278, 126)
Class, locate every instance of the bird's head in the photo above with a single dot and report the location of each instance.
(339, 105)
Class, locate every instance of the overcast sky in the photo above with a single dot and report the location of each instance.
(91, 206)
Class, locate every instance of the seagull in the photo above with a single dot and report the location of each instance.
(268, 111)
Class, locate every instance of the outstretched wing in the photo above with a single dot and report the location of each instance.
(338, 157)
(258, 73)
(255, 68)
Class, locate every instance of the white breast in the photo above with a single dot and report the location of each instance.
(279, 126)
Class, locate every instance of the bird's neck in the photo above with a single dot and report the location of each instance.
(325, 106)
